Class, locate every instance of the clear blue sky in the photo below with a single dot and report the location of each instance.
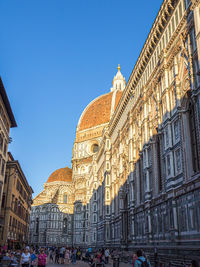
(55, 57)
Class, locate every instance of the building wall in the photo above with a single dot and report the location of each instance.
(148, 170)
(7, 121)
(16, 206)
(4, 140)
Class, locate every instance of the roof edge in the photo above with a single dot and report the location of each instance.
(7, 104)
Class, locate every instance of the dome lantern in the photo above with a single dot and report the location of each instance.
(119, 82)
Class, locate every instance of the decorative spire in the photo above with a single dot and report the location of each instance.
(118, 81)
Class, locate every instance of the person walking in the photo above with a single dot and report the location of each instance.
(25, 258)
(51, 253)
(42, 259)
(57, 256)
(13, 260)
(134, 258)
(33, 258)
(62, 254)
(67, 256)
(141, 260)
(74, 256)
(107, 254)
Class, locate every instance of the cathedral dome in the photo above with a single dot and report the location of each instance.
(100, 110)
(61, 175)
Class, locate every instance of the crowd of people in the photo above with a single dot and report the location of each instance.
(26, 257)
(31, 257)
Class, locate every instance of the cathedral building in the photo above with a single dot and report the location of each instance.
(135, 178)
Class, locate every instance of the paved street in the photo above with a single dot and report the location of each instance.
(78, 264)
(84, 264)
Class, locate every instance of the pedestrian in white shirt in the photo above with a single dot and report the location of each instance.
(25, 258)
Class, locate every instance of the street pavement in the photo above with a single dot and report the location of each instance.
(78, 264)
(84, 264)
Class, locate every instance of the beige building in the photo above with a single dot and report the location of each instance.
(16, 205)
(136, 156)
(7, 121)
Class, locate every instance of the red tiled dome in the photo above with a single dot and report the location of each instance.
(98, 111)
(61, 175)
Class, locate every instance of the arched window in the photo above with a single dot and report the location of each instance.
(65, 225)
(65, 198)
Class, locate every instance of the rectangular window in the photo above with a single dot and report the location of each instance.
(191, 218)
(176, 130)
(168, 165)
(166, 138)
(107, 209)
(178, 160)
(95, 207)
